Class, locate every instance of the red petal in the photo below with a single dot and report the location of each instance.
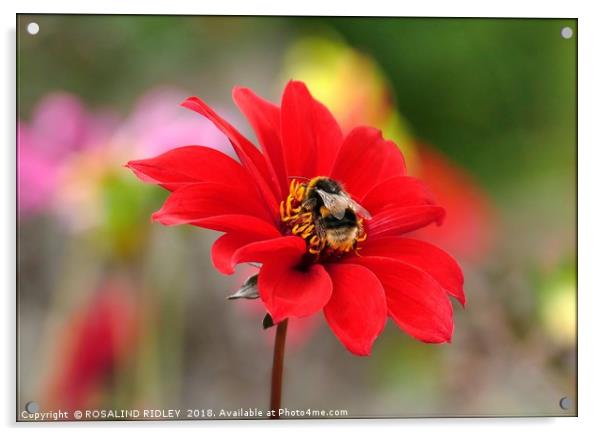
(272, 249)
(399, 220)
(190, 164)
(264, 117)
(286, 288)
(415, 300)
(329, 138)
(397, 192)
(224, 248)
(422, 255)
(194, 202)
(244, 232)
(357, 310)
(250, 157)
(236, 223)
(289, 291)
(366, 159)
(310, 134)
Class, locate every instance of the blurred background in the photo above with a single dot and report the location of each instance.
(116, 312)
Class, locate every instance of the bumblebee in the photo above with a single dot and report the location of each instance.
(337, 218)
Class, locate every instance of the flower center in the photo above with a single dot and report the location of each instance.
(307, 215)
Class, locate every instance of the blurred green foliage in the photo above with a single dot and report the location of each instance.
(112, 60)
(126, 207)
(496, 95)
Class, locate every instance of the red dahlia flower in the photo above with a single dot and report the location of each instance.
(323, 214)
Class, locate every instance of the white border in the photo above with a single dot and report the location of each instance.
(590, 160)
(508, 8)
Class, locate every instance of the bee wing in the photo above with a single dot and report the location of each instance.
(335, 203)
(358, 208)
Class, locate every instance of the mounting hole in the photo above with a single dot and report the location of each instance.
(565, 403)
(566, 33)
(32, 407)
(33, 28)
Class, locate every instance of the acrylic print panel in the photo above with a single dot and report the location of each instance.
(259, 217)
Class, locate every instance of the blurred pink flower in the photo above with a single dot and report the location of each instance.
(158, 124)
(67, 154)
(60, 127)
(37, 173)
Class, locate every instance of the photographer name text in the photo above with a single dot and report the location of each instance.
(178, 414)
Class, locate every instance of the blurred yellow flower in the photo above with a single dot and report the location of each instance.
(559, 313)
